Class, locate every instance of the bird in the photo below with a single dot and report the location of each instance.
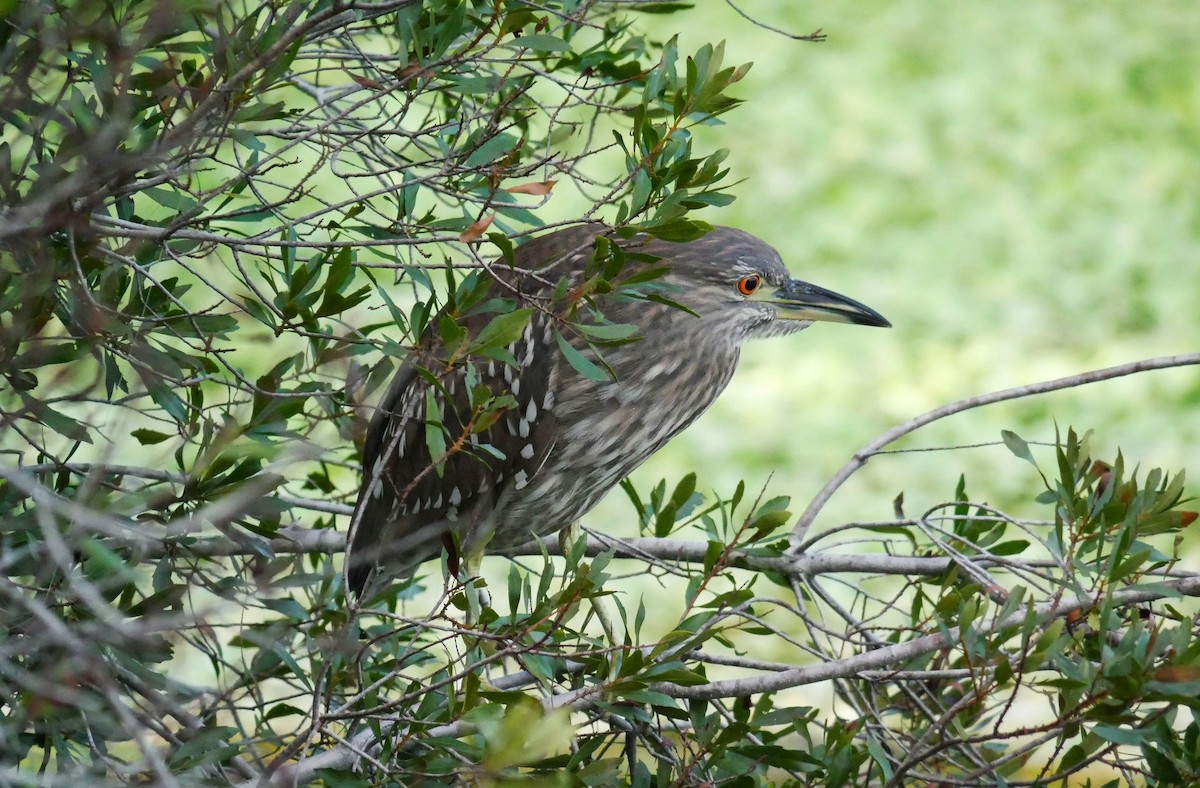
(563, 438)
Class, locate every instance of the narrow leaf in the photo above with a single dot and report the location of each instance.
(502, 330)
(537, 189)
(476, 230)
(1017, 445)
(582, 364)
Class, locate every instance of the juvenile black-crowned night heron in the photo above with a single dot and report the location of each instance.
(568, 439)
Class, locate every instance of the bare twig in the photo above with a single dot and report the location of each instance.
(860, 458)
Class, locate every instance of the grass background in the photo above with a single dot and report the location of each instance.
(1015, 188)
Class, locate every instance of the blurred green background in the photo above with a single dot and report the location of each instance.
(1016, 187)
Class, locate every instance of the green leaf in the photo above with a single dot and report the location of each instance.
(514, 587)
(106, 563)
(1011, 547)
(165, 398)
(1018, 446)
(1119, 734)
(770, 516)
(205, 745)
(526, 734)
(1161, 766)
(665, 7)
(680, 230)
(492, 149)
(260, 110)
(665, 520)
(59, 422)
(435, 435)
(149, 437)
(881, 757)
(729, 599)
(712, 554)
(501, 331)
(641, 191)
(169, 198)
(581, 363)
(159, 602)
(289, 607)
(452, 333)
(284, 710)
(505, 245)
(259, 312)
(608, 332)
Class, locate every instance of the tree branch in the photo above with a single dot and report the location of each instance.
(881, 658)
(799, 533)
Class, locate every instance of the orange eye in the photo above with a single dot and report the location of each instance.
(749, 284)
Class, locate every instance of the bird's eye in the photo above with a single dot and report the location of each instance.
(748, 284)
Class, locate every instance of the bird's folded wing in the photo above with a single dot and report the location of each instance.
(409, 499)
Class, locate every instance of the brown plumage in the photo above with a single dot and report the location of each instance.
(567, 440)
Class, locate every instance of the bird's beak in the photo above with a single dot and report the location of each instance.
(798, 300)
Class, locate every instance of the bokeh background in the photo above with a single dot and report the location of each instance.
(1017, 188)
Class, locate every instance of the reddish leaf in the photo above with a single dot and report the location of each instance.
(740, 72)
(537, 189)
(475, 231)
(366, 82)
(1178, 674)
(996, 591)
(412, 71)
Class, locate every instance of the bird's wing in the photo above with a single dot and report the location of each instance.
(405, 506)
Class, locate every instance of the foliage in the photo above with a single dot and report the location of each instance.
(218, 217)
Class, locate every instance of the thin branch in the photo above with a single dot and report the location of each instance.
(816, 36)
(882, 658)
(864, 454)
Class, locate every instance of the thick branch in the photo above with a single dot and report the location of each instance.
(292, 540)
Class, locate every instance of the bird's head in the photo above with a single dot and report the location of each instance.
(735, 281)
